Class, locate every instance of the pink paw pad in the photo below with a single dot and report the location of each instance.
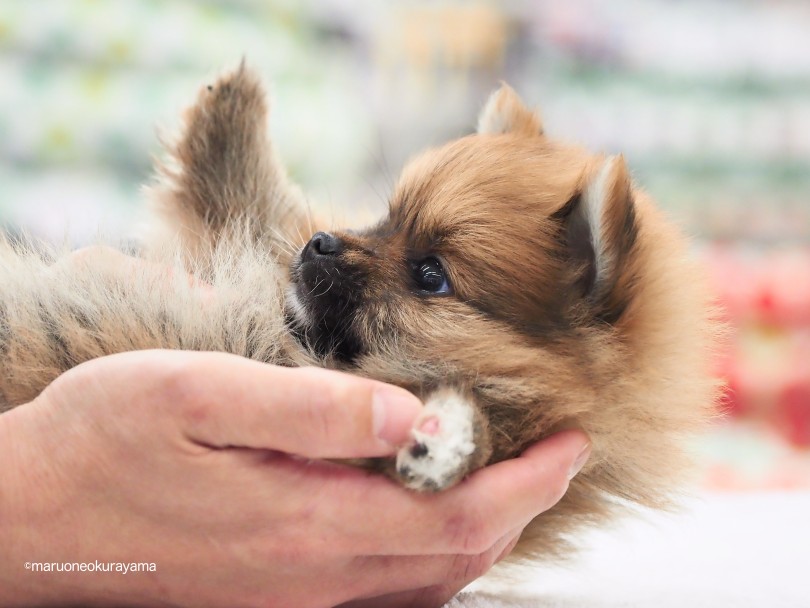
(429, 426)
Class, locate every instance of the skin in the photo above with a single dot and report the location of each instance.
(172, 457)
(212, 467)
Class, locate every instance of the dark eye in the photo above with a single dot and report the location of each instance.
(430, 276)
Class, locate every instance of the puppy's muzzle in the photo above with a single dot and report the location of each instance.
(329, 288)
(321, 269)
(318, 259)
(322, 244)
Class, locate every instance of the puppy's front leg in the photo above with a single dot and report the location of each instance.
(449, 440)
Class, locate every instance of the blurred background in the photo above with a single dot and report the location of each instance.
(708, 99)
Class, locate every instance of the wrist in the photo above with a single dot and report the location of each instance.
(12, 562)
(20, 585)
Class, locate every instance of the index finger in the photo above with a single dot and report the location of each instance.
(466, 519)
(229, 401)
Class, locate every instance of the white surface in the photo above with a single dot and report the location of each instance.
(724, 550)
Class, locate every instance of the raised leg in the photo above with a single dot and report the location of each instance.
(223, 181)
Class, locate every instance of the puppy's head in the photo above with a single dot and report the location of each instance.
(535, 274)
(500, 238)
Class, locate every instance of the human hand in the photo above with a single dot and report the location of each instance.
(199, 463)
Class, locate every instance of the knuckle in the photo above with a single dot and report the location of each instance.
(251, 600)
(507, 550)
(469, 567)
(470, 531)
(436, 596)
(343, 392)
(330, 409)
(317, 417)
(300, 598)
(293, 555)
(554, 488)
(175, 384)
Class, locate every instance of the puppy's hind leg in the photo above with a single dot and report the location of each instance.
(222, 180)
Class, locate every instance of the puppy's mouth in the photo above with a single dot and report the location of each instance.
(322, 300)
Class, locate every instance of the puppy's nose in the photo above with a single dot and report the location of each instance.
(322, 244)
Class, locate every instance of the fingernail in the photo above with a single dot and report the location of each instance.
(580, 461)
(394, 411)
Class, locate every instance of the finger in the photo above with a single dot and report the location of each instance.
(402, 599)
(229, 401)
(428, 597)
(513, 492)
(444, 591)
(466, 519)
(509, 547)
(397, 578)
(123, 265)
(404, 573)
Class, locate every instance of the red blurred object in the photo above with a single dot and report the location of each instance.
(793, 414)
(766, 298)
(732, 401)
(771, 287)
(785, 289)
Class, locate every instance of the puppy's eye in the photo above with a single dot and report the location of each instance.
(430, 276)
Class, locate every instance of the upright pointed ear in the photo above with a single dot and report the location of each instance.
(504, 112)
(600, 232)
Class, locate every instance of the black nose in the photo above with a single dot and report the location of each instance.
(322, 243)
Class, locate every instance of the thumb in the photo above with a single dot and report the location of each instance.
(311, 412)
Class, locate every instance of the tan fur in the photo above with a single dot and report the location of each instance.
(222, 181)
(540, 333)
(505, 113)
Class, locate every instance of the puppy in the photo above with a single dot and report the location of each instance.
(518, 285)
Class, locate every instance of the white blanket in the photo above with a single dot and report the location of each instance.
(722, 551)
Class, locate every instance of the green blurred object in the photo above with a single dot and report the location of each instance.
(717, 128)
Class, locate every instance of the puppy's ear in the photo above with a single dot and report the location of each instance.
(599, 228)
(504, 112)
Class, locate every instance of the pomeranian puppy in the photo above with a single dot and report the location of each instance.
(518, 285)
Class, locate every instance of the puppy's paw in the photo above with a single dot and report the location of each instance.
(231, 112)
(443, 446)
(222, 163)
(238, 88)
